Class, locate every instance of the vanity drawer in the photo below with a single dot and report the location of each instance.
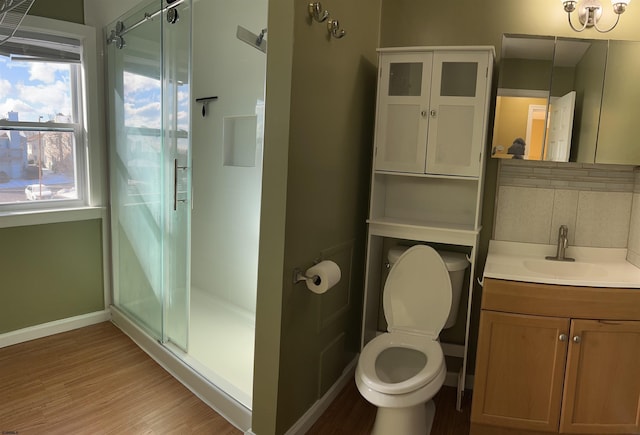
(561, 300)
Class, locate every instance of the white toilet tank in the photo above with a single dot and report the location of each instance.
(456, 263)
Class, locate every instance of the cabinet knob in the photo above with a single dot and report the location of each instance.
(423, 113)
(563, 337)
(433, 113)
(577, 339)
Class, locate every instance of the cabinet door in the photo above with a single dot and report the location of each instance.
(602, 390)
(402, 121)
(519, 371)
(457, 113)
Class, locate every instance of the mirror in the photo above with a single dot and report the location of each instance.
(566, 99)
(524, 83)
(619, 119)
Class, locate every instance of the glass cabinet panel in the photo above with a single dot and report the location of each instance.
(459, 79)
(405, 79)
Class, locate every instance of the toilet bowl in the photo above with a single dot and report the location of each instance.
(400, 371)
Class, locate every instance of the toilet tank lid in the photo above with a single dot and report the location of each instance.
(454, 261)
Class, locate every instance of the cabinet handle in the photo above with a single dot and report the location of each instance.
(563, 337)
(577, 339)
(433, 113)
(423, 113)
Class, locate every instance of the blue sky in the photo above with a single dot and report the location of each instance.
(34, 89)
(38, 89)
(142, 97)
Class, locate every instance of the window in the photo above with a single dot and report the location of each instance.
(44, 154)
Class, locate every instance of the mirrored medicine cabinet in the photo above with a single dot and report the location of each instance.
(567, 99)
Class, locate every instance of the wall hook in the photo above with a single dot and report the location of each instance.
(317, 13)
(334, 29)
(205, 101)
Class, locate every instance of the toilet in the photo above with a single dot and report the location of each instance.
(401, 370)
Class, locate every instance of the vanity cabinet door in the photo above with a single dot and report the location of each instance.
(519, 371)
(602, 386)
(403, 108)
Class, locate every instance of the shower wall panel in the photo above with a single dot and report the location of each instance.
(227, 149)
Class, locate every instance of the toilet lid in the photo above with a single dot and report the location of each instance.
(417, 294)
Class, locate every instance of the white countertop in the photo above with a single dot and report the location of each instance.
(594, 267)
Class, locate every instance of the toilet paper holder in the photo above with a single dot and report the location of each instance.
(298, 276)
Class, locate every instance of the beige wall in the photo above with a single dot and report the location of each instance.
(65, 10)
(472, 22)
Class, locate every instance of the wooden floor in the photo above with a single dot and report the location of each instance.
(351, 414)
(95, 380)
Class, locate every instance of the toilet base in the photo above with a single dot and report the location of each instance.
(414, 420)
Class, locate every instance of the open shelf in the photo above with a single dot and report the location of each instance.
(413, 229)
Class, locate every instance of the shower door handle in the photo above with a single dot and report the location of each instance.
(175, 184)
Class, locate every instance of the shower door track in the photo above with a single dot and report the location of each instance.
(147, 17)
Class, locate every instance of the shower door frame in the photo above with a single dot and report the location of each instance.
(165, 261)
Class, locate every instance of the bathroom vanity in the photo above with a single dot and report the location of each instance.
(559, 343)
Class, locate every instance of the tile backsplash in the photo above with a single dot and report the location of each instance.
(596, 202)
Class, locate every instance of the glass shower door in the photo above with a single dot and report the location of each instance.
(149, 190)
(176, 122)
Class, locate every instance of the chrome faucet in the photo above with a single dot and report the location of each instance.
(563, 243)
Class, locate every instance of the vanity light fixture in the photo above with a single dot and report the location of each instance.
(590, 11)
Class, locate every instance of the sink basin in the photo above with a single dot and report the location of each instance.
(594, 267)
(566, 269)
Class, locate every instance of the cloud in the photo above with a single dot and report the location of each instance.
(6, 88)
(46, 72)
(147, 115)
(139, 83)
(31, 89)
(19, 106)
(47, 99)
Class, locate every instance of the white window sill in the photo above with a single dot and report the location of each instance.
(25, 218)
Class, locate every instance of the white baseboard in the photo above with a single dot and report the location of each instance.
(51, 328)
(307, 420)
(215, 398)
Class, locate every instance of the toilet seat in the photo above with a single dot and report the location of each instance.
(369, 357)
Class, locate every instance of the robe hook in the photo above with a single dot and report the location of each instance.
(317, 13)
(334, 29)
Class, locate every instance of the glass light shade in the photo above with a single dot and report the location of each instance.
(624, 2)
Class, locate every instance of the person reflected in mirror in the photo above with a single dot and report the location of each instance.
(517, 148)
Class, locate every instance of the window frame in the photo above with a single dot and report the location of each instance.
(88, 133)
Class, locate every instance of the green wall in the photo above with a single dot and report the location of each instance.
(50, 272)
(65, 10)
(317, 163)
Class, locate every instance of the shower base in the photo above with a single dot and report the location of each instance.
(221, 343)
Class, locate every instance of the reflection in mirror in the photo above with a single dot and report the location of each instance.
(549, 94)
(618, 132)
(575, 100)
(524, 83)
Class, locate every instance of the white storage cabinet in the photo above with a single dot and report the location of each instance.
(428, 165)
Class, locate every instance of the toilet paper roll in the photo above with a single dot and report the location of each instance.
(324, 275)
